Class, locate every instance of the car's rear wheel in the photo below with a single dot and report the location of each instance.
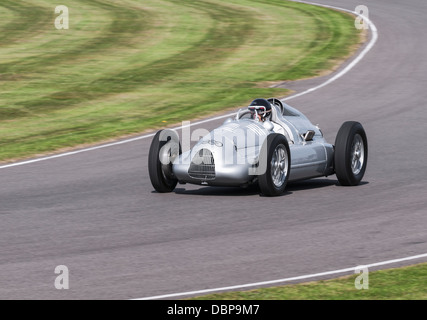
(274, 165)
(164, 148)
(351, 153)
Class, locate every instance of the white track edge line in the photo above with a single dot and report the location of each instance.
(337, 76)
(278, 281)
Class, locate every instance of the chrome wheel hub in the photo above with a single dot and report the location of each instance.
(357, 154)
(279, 165)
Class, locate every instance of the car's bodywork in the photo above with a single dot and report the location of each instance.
(235, 148)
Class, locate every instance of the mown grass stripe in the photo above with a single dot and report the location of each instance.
(125, 22)
(221, 39)
(328, 41)
(25, 24)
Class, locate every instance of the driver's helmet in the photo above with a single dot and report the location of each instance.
(260, 109)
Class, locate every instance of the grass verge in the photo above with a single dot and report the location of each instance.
(406, 283)
(125, 66)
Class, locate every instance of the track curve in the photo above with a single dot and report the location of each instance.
(96, 213)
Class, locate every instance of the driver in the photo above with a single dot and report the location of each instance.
(260, 109)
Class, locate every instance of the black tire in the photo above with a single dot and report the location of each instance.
(351, 153)
(161, 175)
(271, 186)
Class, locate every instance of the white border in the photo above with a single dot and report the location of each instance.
(350, 66)
(279, 281)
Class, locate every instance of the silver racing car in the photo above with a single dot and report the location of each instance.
(269, 143)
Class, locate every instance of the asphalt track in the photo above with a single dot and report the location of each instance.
(96, 212)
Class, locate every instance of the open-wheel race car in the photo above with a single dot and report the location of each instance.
(269, 143)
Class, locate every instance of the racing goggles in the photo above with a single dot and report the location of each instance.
(261, 110)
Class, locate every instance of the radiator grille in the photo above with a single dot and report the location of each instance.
(202, 166)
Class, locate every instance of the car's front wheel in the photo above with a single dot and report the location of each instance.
(274, 165)
(164, 148)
